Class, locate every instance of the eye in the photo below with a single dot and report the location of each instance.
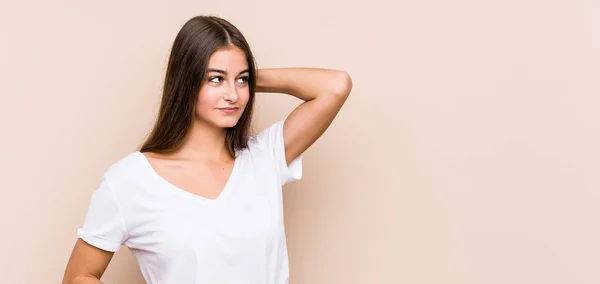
(243, 80)
(216, 79)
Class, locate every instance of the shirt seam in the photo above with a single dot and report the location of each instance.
(110, 242)
(122, 219)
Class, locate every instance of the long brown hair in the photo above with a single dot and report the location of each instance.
(197, 40)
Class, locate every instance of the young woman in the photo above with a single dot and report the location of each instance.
(201, 201)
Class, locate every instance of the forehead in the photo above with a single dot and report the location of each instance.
(230, 58)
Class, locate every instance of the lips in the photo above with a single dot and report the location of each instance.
(229, 109)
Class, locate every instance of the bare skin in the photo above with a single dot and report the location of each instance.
(202, 166)
(87, 264)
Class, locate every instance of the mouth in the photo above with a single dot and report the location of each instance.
(229, 109)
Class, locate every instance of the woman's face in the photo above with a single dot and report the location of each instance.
(224, 91)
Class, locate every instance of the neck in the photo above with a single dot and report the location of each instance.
(205, 142)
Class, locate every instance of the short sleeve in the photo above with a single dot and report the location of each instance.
(103, 227)
(272, 139)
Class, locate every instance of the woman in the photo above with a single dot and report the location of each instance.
(201, 201)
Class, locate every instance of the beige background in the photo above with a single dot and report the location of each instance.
(467, 152)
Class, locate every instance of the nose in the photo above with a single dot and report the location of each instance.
(231, 94)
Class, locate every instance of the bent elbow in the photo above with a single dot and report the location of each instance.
(343, 84)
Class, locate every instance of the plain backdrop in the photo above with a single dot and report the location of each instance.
(467, 152)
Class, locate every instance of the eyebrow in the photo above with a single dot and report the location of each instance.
(225, 72)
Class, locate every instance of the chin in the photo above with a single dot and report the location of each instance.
(220, 121)
(227, 122)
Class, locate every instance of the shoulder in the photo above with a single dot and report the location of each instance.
(263, 143)
(268, 147)
(266, 139)
(124, 169)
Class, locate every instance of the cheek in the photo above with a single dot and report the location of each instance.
(244, 96)
(206, 102)
(207, 98)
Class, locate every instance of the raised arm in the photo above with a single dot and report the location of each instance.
(324, 91)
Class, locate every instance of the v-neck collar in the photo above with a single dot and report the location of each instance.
(220, 198)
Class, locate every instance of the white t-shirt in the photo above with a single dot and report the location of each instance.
(182, 238)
